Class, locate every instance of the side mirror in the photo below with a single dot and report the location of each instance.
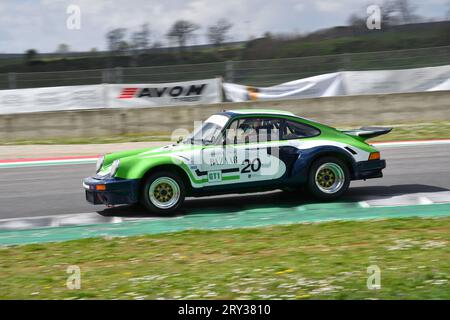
(180, 139)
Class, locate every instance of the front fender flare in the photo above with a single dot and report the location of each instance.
(136, 168)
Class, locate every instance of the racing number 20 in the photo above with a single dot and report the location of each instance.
(253, 166)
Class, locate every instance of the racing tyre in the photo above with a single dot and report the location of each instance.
(163, 193)
(328, 179)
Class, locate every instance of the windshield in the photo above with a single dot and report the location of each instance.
(209, 131)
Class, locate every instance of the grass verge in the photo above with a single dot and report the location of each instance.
(301, 261)
(137, 137)
(416, 131)
(413, 131)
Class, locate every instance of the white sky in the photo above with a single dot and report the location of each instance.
(41, 24)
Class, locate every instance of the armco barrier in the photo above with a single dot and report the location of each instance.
(338, 111)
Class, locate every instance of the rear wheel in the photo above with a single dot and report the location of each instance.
(329, 178)
(163, 193)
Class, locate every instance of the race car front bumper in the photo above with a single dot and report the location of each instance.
(110, 191)
(368, 169)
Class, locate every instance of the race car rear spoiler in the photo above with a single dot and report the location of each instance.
(368, 132)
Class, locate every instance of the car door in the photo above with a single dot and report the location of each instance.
(248, 153)
(219, 163)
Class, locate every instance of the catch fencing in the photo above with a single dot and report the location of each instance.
(249, 72)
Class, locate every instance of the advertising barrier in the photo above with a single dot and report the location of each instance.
(51, 99)
(347, 83)
(210, 91)
(325, 85)
(162, 94)
(110, 96)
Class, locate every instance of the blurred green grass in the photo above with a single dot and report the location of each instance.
(300, 261)
(416, 131)
(131, 137)
(407, 131)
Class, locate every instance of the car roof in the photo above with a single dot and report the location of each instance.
(258, 112)
(265, 112)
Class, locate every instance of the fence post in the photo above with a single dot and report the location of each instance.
(229, 71)
(346, 62)
(118, 74)
(106, 76)
(12, 80)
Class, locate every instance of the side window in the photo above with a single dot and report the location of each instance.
(231, 132)
(252, 130)
(270, 130)
(296, 130)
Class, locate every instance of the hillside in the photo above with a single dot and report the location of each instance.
(337, 40)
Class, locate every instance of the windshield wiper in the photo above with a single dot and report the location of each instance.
(206, 142)
(202, 141)
(193, 140)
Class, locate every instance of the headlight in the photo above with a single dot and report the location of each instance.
(99, 164)
(114, 167)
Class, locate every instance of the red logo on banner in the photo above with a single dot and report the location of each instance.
(127, 93)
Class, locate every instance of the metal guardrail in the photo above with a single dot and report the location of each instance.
(250, 72)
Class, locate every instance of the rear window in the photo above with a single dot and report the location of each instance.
(296, 130)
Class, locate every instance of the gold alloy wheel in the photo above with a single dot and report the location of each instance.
(330, 178)
(164, 193)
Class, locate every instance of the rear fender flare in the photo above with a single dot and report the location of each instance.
(301, 167)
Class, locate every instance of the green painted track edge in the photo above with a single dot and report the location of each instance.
(261, 217)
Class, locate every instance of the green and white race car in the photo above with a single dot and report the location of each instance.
(237, 152)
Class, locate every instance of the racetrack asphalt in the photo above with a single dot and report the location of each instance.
(56, 190)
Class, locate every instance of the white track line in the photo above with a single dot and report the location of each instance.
(60, 216)
(424, 201)
(411, 143)
(53, 161)
(363, 204)
(50, 161)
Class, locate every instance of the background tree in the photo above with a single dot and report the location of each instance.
(406, 11)
(182, 31)
(157, 45)
(393, 12)
(357, 21)
(123, 46)
(30, 55)
(140, 40)
(217, 33)
(115, 39)
(389, 14)
(447, 14)
(139, 43)
(63, 49)
(396, 12)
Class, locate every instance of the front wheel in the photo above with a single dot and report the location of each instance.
(329, 178)
(163, 193)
